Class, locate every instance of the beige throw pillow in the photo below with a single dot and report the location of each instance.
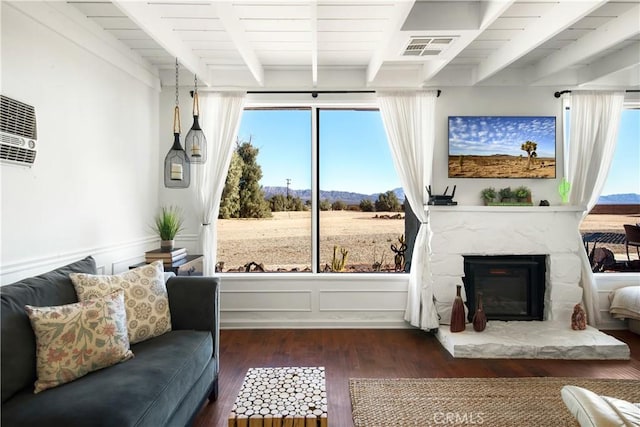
(145, 298)
(75, 339)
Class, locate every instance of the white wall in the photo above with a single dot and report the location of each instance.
(94, 186)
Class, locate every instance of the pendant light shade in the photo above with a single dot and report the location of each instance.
(195, 142)
(177, 169)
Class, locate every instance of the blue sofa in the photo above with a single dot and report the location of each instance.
(165, 384)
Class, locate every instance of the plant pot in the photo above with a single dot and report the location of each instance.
(167, 245)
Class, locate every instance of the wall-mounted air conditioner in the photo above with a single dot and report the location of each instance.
(18, 133)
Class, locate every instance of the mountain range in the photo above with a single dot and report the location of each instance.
(351, 198)
(344, 196)
(620, 199)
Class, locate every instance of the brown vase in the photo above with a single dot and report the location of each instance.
(479, 318)
(457, 313)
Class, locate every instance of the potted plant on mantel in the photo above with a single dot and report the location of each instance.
(506, 195)
(523, 194)
(168, 223)
(489, 195)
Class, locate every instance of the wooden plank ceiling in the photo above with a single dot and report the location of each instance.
(381, 43)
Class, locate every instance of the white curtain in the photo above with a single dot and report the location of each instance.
(220, 115)
(408, 119)
(593, 133)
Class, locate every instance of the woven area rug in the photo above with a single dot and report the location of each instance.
(499, 402)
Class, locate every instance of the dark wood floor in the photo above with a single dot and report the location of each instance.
(379, 353)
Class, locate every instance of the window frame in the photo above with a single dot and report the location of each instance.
(351, 101)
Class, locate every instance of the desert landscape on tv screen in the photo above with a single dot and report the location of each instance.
(502, 147)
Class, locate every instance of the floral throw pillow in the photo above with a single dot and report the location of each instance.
(145, 297)
(75, 339)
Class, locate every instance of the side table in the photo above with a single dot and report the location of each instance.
(191, 265)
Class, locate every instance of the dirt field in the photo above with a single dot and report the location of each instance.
(500, 167)
(287, 236)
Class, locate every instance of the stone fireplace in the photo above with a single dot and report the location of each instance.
(549, 233)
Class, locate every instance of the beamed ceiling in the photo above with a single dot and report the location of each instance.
(256, 44)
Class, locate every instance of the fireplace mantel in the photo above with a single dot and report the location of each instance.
(506, 209)
(458, 231)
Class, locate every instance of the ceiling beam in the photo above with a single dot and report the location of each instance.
(604, 37)
(492, 11)
(235, 30)
(561, 16)
(402, 10)
(617, 61)
(151, 24)
(313, 17)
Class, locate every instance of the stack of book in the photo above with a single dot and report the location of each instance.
(167, 257)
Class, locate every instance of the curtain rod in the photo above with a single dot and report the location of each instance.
(562, 92)
(314, 93)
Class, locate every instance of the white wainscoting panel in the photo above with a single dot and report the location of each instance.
(300, 300)
(363, 300)
(269, 300)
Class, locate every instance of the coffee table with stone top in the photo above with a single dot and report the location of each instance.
(281, 397)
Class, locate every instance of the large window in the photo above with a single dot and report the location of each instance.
(311, 190)
(619, 202)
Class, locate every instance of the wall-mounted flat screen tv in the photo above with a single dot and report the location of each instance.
(502, 147)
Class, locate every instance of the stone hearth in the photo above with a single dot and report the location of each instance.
(458, 231)
(532, 340)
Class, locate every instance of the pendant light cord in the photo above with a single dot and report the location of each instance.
(176, 111)
(196, 103)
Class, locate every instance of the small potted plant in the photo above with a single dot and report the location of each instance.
(488, 195)
(168, 223)
(523, 194)
(505, 195)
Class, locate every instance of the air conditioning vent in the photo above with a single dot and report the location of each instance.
(18, 132)
(427, 46)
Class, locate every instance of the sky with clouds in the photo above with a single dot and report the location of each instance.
(488, 135)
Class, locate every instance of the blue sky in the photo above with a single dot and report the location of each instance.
(284, 140)
(354, 153)
(355, 156)
(624, 174)
(484, 135)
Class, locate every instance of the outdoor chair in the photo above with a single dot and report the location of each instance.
(632, 234)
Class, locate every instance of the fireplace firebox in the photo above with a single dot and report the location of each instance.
(512, 286)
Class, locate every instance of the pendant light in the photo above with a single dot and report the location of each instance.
(195, 141)
(177, 169)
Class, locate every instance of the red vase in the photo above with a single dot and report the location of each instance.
(457, 313)
(479, 318)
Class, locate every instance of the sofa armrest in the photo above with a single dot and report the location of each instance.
(593, 410)
(194, 303)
